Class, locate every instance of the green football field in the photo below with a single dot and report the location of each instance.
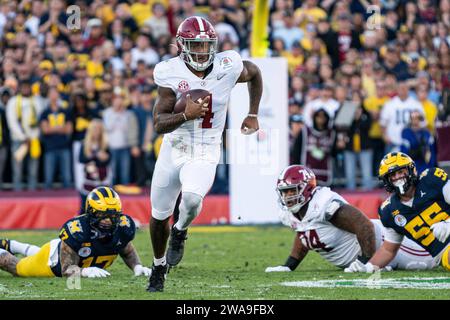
(226, 262)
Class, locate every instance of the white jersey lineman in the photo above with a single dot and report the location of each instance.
(189, 155)
(340, 247)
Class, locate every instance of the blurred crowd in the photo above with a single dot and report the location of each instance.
(365, 77)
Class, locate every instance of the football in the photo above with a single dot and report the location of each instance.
(196, 94)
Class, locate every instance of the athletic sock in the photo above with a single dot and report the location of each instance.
(160, 261)
(23, 248)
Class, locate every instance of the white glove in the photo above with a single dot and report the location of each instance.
(94, 272)
(278, 269)
(140, 270)
(358, 266)
(441, 230)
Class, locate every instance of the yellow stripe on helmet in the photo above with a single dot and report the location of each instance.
(394, 161)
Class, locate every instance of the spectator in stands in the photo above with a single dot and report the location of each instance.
(82, 116)
(418, 142)
(95, 156)
(143, 112)
(94, 34)
(57, 127)
(122, 130)
(289, 31)
(395, 116)
(158, 22)
(429, 108)
(393, 64)
(5, 94)
(22, 114)
(295, 129)
(374, 105)
(325, 102)
(313, 146)
(358, 151)
(143, 51)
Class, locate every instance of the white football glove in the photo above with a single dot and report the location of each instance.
(278, 269)
(140, 270)
(358, 266)
(94, 272)
(441, 230)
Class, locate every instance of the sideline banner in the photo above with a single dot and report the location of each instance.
(256, 160)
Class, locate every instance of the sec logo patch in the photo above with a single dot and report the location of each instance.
(84, 252)
(400, 220)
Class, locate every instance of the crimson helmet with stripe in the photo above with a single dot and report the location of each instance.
(197, 42)
(295, 187)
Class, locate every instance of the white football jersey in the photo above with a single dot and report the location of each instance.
(174, 74)
(340, 247)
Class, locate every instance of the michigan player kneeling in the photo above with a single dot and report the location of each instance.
(418, 209)
(87, 244)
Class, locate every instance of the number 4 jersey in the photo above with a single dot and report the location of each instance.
(174, 74)
(430, 205)
(340, 247)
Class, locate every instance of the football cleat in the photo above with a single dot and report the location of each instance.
(176, 246)
(157, 278)
(5, 244)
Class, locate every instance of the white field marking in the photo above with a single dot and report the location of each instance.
(221, 229)
(391, 283)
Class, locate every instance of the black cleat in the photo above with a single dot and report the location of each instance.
(176, 246)
(156, 281)
(5, 244)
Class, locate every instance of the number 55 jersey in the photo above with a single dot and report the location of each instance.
(340, 247)
(429, 205)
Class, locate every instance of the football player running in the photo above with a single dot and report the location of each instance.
(326, 223)
(87, 244)
(417, 208)
(191, 145)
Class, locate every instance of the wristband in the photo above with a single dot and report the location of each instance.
(184, 116)
(292, 263)
(252, 115)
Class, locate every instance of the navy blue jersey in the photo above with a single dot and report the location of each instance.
(428, 207)
(93, 252)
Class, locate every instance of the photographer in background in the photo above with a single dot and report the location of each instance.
(418, 143)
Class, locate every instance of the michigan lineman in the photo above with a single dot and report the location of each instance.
(418, 209)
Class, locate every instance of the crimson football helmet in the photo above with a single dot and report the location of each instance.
(295, 187)
(197, 42)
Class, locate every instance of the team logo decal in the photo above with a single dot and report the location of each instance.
(226, 63)
(183, 86)
(84, 252)
(400, 220)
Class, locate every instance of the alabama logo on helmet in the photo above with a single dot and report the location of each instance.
(183, 86)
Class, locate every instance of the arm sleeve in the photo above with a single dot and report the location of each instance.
(392, 236)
